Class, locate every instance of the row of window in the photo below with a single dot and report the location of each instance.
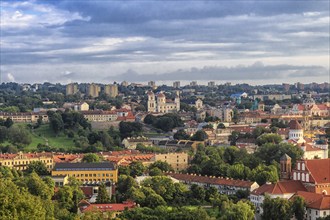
(23, 162)
(79, 169)
(92, 175)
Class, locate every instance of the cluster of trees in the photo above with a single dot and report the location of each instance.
(262, 166)
(165, 122)
(17, 135)
(200, 135)
(284, 209)
(129, 129)
(68, 120)
(33, 197)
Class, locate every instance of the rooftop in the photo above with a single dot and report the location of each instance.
(84, 166)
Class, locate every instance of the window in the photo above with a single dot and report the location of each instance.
(324, 213)
(316, 212)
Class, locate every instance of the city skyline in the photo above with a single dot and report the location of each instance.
(97, 41)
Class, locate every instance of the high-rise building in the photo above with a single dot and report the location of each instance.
(124, 83)
(71, 88)
(193, 83)
(286, 86)
(176, 84)
(93, 90)
(211, 84)
(111, 90)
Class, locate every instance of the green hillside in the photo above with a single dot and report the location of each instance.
(44, 135)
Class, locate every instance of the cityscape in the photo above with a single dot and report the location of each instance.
(164, 110)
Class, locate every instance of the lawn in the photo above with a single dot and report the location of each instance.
(44, 135)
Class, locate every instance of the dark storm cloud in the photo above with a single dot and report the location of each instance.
(133, 34)
(257, 71)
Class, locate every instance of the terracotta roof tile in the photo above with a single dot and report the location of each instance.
(320, 169)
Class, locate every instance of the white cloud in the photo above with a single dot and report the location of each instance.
(29, 14)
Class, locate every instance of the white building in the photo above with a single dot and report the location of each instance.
(162, 105)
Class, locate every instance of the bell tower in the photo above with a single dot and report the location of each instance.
(151, 102)
(285, 162)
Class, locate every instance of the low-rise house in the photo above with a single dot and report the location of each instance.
(61, 180)
(111, 210)
(100, 115)
(283, 189)
(24, 117)
(224, 185)
(132, 142)
(317, 205)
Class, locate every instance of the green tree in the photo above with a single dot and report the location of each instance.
(19, 135)
(200, 135)
(102, 195)
(56, 122)
(17, 203)
(162, 165)
(136, 168)
(241, 210)
(197, 194)
(155, 172)
(268, 138)
(276, 209)
(38, 187)
(128, 129)
(150, 119)
(91, 158)
(299, 207)
(8, 123)
(37, 167)
(181, 135)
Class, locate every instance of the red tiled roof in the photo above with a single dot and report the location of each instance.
(87, 190)
(108, 207)
(294, 125)
(319, 169)
(282, 187)
(315, 200)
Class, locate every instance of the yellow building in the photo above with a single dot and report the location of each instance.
(71, 88)
(87, 172)
(111, 90)
(24, 117)
(93, 90)
(179, 161)
(20, 161)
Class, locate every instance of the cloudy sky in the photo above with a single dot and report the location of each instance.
(257, 41)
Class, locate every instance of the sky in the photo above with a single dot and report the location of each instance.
(255, 42)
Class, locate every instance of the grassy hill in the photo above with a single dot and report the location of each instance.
(44, 135)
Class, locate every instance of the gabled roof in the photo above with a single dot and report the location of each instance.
(319, 169)
(315, 200)
(282, 187)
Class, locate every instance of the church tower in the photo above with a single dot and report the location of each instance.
(151, 101)
(285, 162)
(161, 103)
(177, 100)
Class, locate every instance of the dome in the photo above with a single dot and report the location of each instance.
(294, 125)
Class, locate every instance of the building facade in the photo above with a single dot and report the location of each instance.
(162, 105)
(87, 172)
(72, 89)
(20, 161)
(93, 90)
(111, 90)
